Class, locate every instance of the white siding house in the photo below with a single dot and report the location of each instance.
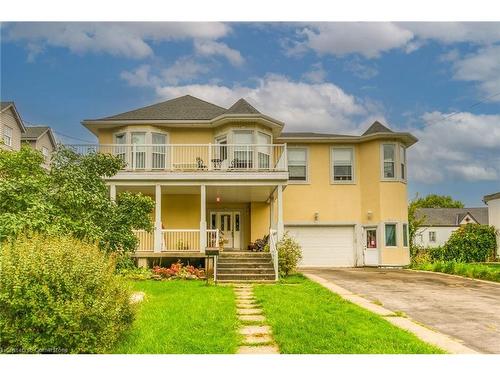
(493, 202)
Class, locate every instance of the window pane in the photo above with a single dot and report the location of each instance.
(405, 235)
(342, 173)
(388, 170)
(390, 235)
(158, 139)
(120, 139)
(388, 152)
(297, 156)
(138, 138)
(297, 172)
(263, 139)
(402, 160)
(342, 164)
(243, 137)
(342, 155)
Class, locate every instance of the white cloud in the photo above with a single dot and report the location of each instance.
(302, 106)
(483, 67)
(316, 75)
(184, 69)
(369, 39)
(360, 70)
(464, 146)
(213, 48)
(140, 77)
(455, 32)
(129, 39)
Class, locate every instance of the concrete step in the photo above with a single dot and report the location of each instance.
(246, 281)
(244, 260)
(245, 276)
(245, 265)
(244, 253)
(243, 271)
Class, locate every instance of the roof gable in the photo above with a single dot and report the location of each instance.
(452, 217)
(377, 127)
(34, 133)
(186, 107)
(5, 106)
(242, 107)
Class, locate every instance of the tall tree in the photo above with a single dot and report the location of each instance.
(70, 198)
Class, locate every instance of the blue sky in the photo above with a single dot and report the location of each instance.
(427, 78)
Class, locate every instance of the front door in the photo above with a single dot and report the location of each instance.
(371, 247)
(229, 223)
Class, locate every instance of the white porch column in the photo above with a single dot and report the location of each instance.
(112, 192)
(271, 212)
(280, 228)
(158, 232)
(203, 218)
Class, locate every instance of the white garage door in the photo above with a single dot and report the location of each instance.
(325, 246)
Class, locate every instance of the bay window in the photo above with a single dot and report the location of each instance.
(402, 162)
(389, 160)
(390, 235)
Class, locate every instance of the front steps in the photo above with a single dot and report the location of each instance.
(245, 267)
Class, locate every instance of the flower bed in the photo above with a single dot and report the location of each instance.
(178, 271)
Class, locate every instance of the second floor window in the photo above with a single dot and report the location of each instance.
(45, 153)
(402, 162)
(297, 164)
(7, 136)
(343, 164)
(389, 155)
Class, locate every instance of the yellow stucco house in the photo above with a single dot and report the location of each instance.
(235, 173)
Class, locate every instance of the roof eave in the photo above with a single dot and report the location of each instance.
(407, 137)
(18, 116)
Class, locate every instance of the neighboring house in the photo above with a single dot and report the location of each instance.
(235, 173)
(42, 139)
(11, 127)
(493, 202)
(440, 223)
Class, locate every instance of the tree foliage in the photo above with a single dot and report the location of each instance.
(70, 198)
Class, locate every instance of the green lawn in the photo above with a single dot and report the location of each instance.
(307, 318)
(182, 317)
(483, 271)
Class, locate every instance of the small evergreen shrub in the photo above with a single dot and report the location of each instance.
(58, 294)
(289, 255)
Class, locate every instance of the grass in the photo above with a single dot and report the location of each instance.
(182, 317)
(307, 318)
(483, 271)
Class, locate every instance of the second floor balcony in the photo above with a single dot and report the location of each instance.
(194, 157)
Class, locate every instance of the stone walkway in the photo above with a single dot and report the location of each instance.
(257, 337)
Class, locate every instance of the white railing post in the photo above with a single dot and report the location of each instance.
(112, 192)
(209, 161)
(158, 229)
(203, 218)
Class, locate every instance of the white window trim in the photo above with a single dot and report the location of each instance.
(396, 233)
(401, 179)
(407, 235)
(10, 136)
(306, 181)
(435, 236)
(353, 168)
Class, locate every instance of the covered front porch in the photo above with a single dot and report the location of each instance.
(189, 218)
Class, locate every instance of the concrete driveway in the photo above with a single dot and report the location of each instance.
(465, 309)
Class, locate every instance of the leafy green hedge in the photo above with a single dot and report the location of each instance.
(476, 271)
(58, 294)
(470, 243)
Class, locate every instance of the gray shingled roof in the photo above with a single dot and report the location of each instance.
(186, 107)
(311, 135)
(242, 107)
(491, 196)
(34, 132)
(451, 216)
(4, 105)
(377, 127)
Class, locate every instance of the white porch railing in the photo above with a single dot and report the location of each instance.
(177, 239)
(146, 240)
(273, 249)
(194, 157)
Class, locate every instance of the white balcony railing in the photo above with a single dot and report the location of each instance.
(177, 239)
(194, 157)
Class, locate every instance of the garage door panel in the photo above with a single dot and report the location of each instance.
(325, 246)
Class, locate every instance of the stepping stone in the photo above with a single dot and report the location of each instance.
(255, 330)
(243, 293)
(257, 339)
(137, 297)
(261, 349)
(252, 318)
(245, 300)
(247, 306)
(249, 311)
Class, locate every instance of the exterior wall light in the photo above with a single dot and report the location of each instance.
(316, 217)
(369, 214)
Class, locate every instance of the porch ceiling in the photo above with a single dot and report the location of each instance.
(239, 194)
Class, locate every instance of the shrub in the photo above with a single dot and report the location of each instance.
(289, 255)
(476, 271)
(59, 294)
(470, 243)
(178, 271)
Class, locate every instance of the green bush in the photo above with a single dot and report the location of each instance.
(289, 255)
(470, 243)
(58, 294)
